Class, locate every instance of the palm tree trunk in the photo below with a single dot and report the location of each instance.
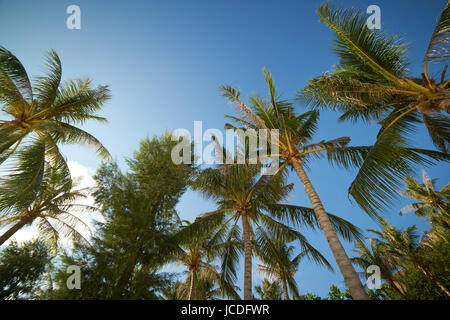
(285, 290)
(248, 259)
(11, 231)
(350, 276)
(430, 276)
(192, 287)
(396, 287)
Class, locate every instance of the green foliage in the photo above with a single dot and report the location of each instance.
(43, 116)
(141, 232)
(420, 287)
(49, 204)
(51, 109)
(198, 256)
(268, 290)
(22, 267)
(370, 83)
(134, 242)
(429, 203)
(297, 150)
(421, 268)
(206, 288)
(310, 296)
(279, 264)
(171, 291)
(336, 294)
(240, 190)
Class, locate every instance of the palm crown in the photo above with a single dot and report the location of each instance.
(429, 203)
(242, 194)
(406, 247)
(51, 205)
(371, 80)
(377, 255)
(279, 265)
(50, 110)
(198, 258)
(296, 150)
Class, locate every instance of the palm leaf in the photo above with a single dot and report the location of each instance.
(437, 50)
(360, 47)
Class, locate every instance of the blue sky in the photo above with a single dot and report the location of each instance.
(164, 62)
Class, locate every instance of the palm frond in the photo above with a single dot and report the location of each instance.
(438, 50)
(439, 129)
(15, 86)
(47, 86)
(387, 163)
(360, 47)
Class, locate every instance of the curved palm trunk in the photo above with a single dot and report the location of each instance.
(192, 286)
(430, 276)
(396, 287)
(248, 259)
(350, 276)
(285, 290)
(11, 231)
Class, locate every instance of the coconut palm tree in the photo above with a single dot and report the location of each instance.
(171, 291)
(269, 290)
(376, 255)
(205, 289)
(296, 150)
(405, 247)
(49, 110)
(51, 207)
(281, 267)
(429, 202)
(198, 258)
(243, 195)
(371, 82)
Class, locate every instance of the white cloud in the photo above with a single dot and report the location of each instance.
(85, 174)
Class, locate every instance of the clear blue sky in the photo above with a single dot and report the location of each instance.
(164, 62)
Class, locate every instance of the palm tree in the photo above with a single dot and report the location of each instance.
(404, 248)
(243, 195)
(50, 111)
(429, 202)
(269, 290)
(206, 289)
(371, 82)
(281, 267)
(296, 150)
(197, 257)
(376, 255)
(50, 207)
(171, 291)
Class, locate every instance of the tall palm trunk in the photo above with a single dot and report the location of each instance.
(285, 290)
(350, 276)
(192, 286)
(430, 276)
(11, 231)
(248, 259)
